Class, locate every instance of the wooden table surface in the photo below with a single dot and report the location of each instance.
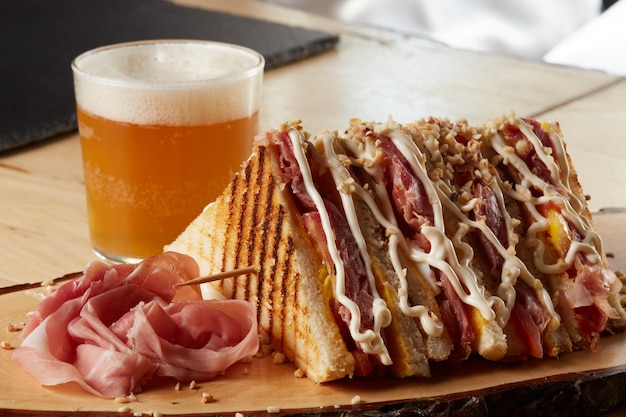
(371, 74)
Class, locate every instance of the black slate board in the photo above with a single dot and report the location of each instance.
(39, 38)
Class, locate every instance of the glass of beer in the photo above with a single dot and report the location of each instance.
(164, 125)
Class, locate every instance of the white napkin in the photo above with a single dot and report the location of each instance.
(599, 45)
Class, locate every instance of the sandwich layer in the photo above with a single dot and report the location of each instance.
(388, 246)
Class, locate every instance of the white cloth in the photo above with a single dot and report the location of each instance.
(599, 45)
(521, 28)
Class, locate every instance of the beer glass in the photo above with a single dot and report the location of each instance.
(163, 125)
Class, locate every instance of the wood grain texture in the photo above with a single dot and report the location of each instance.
(581, 383)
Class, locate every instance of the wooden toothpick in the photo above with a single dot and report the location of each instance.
(219, 276)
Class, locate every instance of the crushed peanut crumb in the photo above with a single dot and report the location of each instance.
(207, 398)
(123, 409)
(123, 400)
(278, 358)
(15, 327)
(298, 373)
(47, 283)
(264, 339)
(177, 386)
(6, 345)
(356, 400)
(266, 349)
(193, 385)
(273, 409)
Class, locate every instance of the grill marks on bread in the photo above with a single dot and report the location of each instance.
(260, 212)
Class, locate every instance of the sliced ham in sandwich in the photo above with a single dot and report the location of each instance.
(387, 247)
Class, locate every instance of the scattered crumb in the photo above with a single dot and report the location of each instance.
(273, 409)
(298, 373)
(278, 358)
(264, 339)
(6, 345)
(177, 386)
(193, 385)
(356, 400)
(266, 349)
(124, 409)
(207, 398)
(15, 327)
(47, 283)
(123, 400)
(238, 415)
(157, 414)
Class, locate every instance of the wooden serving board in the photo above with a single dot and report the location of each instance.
(579, 384)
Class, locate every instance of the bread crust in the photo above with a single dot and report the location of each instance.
(254, 223)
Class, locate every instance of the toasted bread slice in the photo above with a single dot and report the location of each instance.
(254, 223)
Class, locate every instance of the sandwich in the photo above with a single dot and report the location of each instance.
(562, 248)
(322, 299)
(485, 227)
(387, 247)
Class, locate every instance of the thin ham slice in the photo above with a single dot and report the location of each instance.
(116, 327)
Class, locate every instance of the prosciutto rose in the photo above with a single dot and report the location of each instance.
(116, 327)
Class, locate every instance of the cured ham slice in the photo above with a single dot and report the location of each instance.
(116, 327)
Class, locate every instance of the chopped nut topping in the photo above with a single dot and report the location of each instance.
(15, 327)
(123, 400)
(278, 358)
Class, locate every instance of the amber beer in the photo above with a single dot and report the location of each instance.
(162, 132)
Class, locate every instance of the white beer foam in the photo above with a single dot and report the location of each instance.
(170, 83)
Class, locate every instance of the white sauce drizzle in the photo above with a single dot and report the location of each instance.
(455, 264)
(370, 341)
(571, 206)
(442, 255)
(512, 268)
(429, 321)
